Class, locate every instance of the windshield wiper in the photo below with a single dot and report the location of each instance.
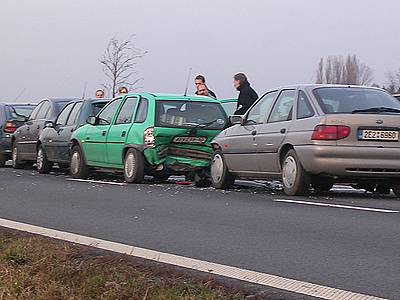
(195, 126)
(376, 110)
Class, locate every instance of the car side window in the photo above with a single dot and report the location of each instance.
(259, 113)
(73, 116)
(35, 112)
(304, 108)
(141, 114)
(126, 112)
(107, 114)
(42, 113)
(63, 116)
(283, 108)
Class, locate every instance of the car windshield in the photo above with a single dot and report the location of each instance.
(97, 106)
(177, 114)
(349, 100)
(229, 107)
(21, 110)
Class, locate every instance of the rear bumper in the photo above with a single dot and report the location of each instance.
(350, 162)
(5, 145)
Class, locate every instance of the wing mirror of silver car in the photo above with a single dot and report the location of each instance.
(236, 119)
(49, 124)
(91, 120)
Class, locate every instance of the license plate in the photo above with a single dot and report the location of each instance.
(189, 140)
(378, 135)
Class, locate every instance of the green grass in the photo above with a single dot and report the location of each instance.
(37, 268)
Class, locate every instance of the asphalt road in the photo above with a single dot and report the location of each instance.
(354, 250)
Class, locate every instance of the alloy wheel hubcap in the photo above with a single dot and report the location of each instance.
(75, 162)
(130, 165)
(39, 160)
(217, 168)
(289, 172)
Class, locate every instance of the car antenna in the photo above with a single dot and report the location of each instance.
(20, 94)
(84, 90)
(187, 81)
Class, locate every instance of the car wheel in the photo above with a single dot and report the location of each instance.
(16, 162)
(294, 178)
(220, 176)
(42, 163)
(322, 184)
(3, 160)
(133, 166)
(78, 167)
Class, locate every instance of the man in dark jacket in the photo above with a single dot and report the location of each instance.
(247, 95)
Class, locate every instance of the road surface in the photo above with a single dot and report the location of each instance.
(300, 238)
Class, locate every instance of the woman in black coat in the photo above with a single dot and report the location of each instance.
(247, 95)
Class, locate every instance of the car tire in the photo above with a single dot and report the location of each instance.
(322, 184)
(133, 166)
(3, 160)
(78, 168)
(295, 179)
(221, 178)
(16, 162)
(43, 165)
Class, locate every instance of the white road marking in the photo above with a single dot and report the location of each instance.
(287, 284)
(338, 206)
(98, 181)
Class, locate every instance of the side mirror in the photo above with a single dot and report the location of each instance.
(236, 119)
(49, 124)
(91, 120)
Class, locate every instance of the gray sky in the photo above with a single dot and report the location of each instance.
(51, 48)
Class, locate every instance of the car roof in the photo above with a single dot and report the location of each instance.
(66, 99)
(312, 86)
(176, 97)
(21, 104)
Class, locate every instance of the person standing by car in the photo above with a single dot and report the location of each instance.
(99, 94)
(247, 95)
(122, 90)
(202, 90)
(200, 79)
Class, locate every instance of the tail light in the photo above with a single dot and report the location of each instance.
(148, 138)
(330, 132)
(10, 127)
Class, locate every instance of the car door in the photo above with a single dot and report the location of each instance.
(272, 133)
(240, 145)
(22, 135)
(118, 132)
(96, 136)
(51, 136)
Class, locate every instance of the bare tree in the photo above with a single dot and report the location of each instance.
(119, 62)
(393, 81)
(340, 70)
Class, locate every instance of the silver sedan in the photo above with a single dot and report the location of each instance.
(314, 136)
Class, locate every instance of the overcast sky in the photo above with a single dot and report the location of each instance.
(50, 48)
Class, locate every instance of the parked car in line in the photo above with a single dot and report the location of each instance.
(229, 105)
(24, 140)
(12, 116)
(313, 134)
(158, 135)
(54, 141)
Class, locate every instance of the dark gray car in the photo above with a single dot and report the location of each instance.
(54, 141)
(12, 116)
(24, 140)
(314, 135)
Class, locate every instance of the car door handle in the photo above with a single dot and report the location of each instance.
(123, 134)
(283, 130)
(88, 138)
(38, 127)
(28, 128)
(104, 133)
(254, 132)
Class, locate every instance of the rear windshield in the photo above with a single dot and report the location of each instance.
(21, 110)
(177, 114)
(97, 106)
(347, 100)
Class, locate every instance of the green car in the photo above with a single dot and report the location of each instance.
(148, 134)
